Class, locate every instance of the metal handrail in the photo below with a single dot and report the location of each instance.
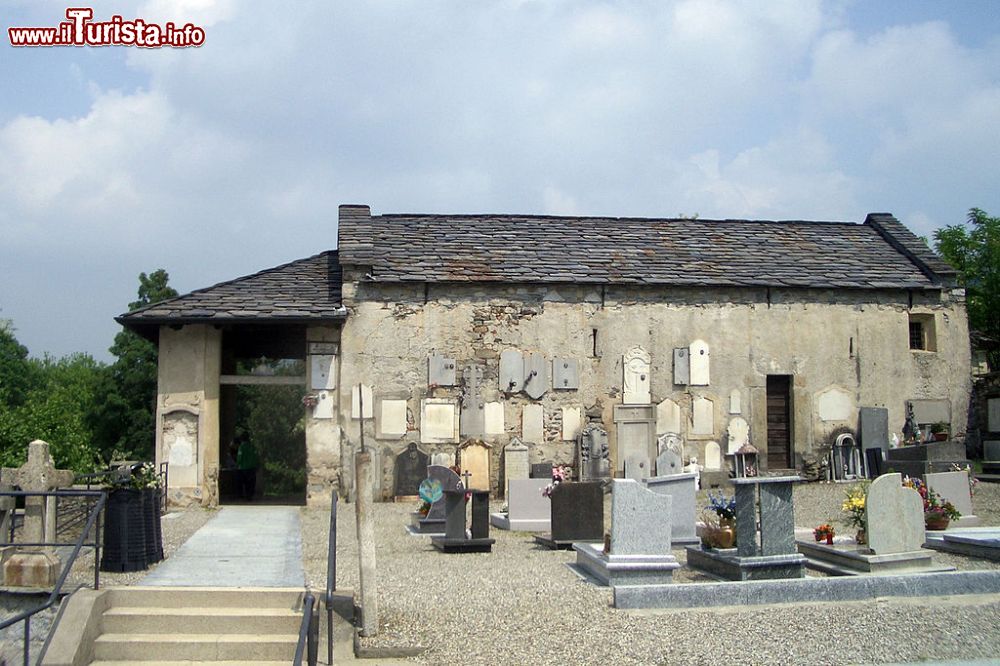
(308, 630)
(92, 520)
(331, 576)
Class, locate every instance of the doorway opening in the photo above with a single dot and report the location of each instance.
(779, 422)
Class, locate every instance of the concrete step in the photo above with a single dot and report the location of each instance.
(195, 647)
(185, 597)
(188, 662)
(156, 620)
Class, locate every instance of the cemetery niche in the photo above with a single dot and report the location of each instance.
(638, 552)
(774, 555)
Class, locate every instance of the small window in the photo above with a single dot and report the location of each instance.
(922, 334)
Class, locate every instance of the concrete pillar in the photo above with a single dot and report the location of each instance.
(363, 509)
(50, 519)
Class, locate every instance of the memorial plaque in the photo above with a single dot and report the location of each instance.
(541, 470)
(565, 374)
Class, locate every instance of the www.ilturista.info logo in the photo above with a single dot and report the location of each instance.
(80, 30)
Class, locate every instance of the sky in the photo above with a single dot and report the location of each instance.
(219, 161)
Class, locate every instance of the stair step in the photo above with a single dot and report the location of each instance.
(201, 647)
(185, 597)
(156, 620)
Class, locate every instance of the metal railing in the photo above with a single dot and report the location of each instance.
(308, 632)
(331, 576)
(93, 525)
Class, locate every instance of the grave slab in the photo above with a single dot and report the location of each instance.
(527, 509)
(981, 542)
(682, 489)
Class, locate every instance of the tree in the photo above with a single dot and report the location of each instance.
(126, 422)
(974, 250)
(17, 377)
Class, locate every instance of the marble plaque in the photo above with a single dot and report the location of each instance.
(565, 374)
(532, 424)
(702, 416)
(362, 393)
(323, 372)
(324, 405)
(699, 363)
(682, 366)
(440, 370)
(738, 434)
(443, 459)
(668, 417)
(572, 418)
(493, 418)
(515, 462)
(636, 377)
(536, 375)
(511, 371)
(438, 421)
(475, 457)
(713, 456)
(392, 419)
(834, 404)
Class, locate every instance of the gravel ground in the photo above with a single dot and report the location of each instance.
(177, 526)
(523, 605)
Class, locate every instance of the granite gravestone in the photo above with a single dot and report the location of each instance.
(639, 550)
(410, 470)
(576, 514)
(515, 463)
(682, 489)
(456, 539)
(637, 467)
(434, 521)
(954, 487)
(527, 508)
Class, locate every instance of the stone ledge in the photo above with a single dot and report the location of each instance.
(805, 590)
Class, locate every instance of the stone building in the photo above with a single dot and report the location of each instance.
(490, 327)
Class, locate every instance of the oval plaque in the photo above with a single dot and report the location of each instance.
(430, 490)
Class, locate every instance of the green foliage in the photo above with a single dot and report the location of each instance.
(974, 250)
(16, 374)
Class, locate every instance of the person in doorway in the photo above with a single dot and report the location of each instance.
(247, 462)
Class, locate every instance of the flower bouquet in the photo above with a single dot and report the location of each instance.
(560, 473)
(825, 531)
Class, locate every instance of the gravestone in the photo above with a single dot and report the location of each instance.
(576, 514)
(565, 374)
(682, 489)
(391, 421)
(438, 421)
(411, 469)
(474, 457)
(440, 370)
(635, 380)
(34, 566)
(472, 415)
(593, 455)
(682, 366)
(527, 508)
(670, 458)
(493, 421)
(636, 427)
(774, 556)
(874, 427)
(541, 471)
(713, 456)
(927, 412)
(511, 377)
(668, 417)
(433, 522)
(639, 550)
(455, 539)
(637, 467)
(703, 416)
(515, 463)
(735, 402)
(894, 516)
(954, 487)
(738, 435)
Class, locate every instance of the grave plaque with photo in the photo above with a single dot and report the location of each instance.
(410, 470)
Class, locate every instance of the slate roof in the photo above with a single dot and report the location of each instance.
(880, 253)
(307, 290)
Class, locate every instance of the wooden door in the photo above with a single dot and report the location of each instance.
(779, 427)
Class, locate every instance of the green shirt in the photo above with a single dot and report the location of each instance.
(246, 457)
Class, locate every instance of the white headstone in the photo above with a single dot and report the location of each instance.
(738, 434)
(361, 393)
(954, 487)
(894, 516)
(635, 382)
(438, 421)
(670, 454)
(493, 418)
(713, 456)
(392, 418)
(668, 417)
(572, 421)
(699, 363)
(533, 423)
(515, 463)
(702, 416)
(735, 402)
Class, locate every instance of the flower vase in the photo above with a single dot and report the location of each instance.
(936, 521)
(829, 539)
(861, 538)
(727, 532)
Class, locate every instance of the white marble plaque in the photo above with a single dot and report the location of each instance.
(324, 405)
(835, 404)
(493, 418)
(668, 417)
(735, 402)
(392, 419)
(365, 396)
(635, 381)
(702, 416)
(443, 458)
(438, 421)
(323, 371)
(533, 424)
(572, 418)
(699, 363)
(738, 434)
(713, 456)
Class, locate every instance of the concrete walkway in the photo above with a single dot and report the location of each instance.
(242, 546)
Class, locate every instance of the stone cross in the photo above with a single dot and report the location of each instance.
(38, 474)
(465, 475)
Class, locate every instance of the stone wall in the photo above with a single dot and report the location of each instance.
(844, 349)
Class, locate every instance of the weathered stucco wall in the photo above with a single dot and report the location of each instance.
(323, 469)
(850, 349)
(187, 412)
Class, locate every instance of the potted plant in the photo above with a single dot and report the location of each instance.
(854, 507)
(940, 431)
(824, 532)
(938, 512)
(723, 524)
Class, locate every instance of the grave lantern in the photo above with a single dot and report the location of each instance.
(746, 461)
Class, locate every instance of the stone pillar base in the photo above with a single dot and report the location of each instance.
(30, 569)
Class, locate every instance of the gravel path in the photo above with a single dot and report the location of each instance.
(524, 605)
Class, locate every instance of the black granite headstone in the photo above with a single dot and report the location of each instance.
(541, 470)
(434, 521)
(480, 515)
(454, 539)
(577, 511)
(875, 462)
(411, 469)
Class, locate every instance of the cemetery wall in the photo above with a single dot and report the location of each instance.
(844, 349)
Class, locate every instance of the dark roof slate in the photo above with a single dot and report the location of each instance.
(307, 289)
(603, 250)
